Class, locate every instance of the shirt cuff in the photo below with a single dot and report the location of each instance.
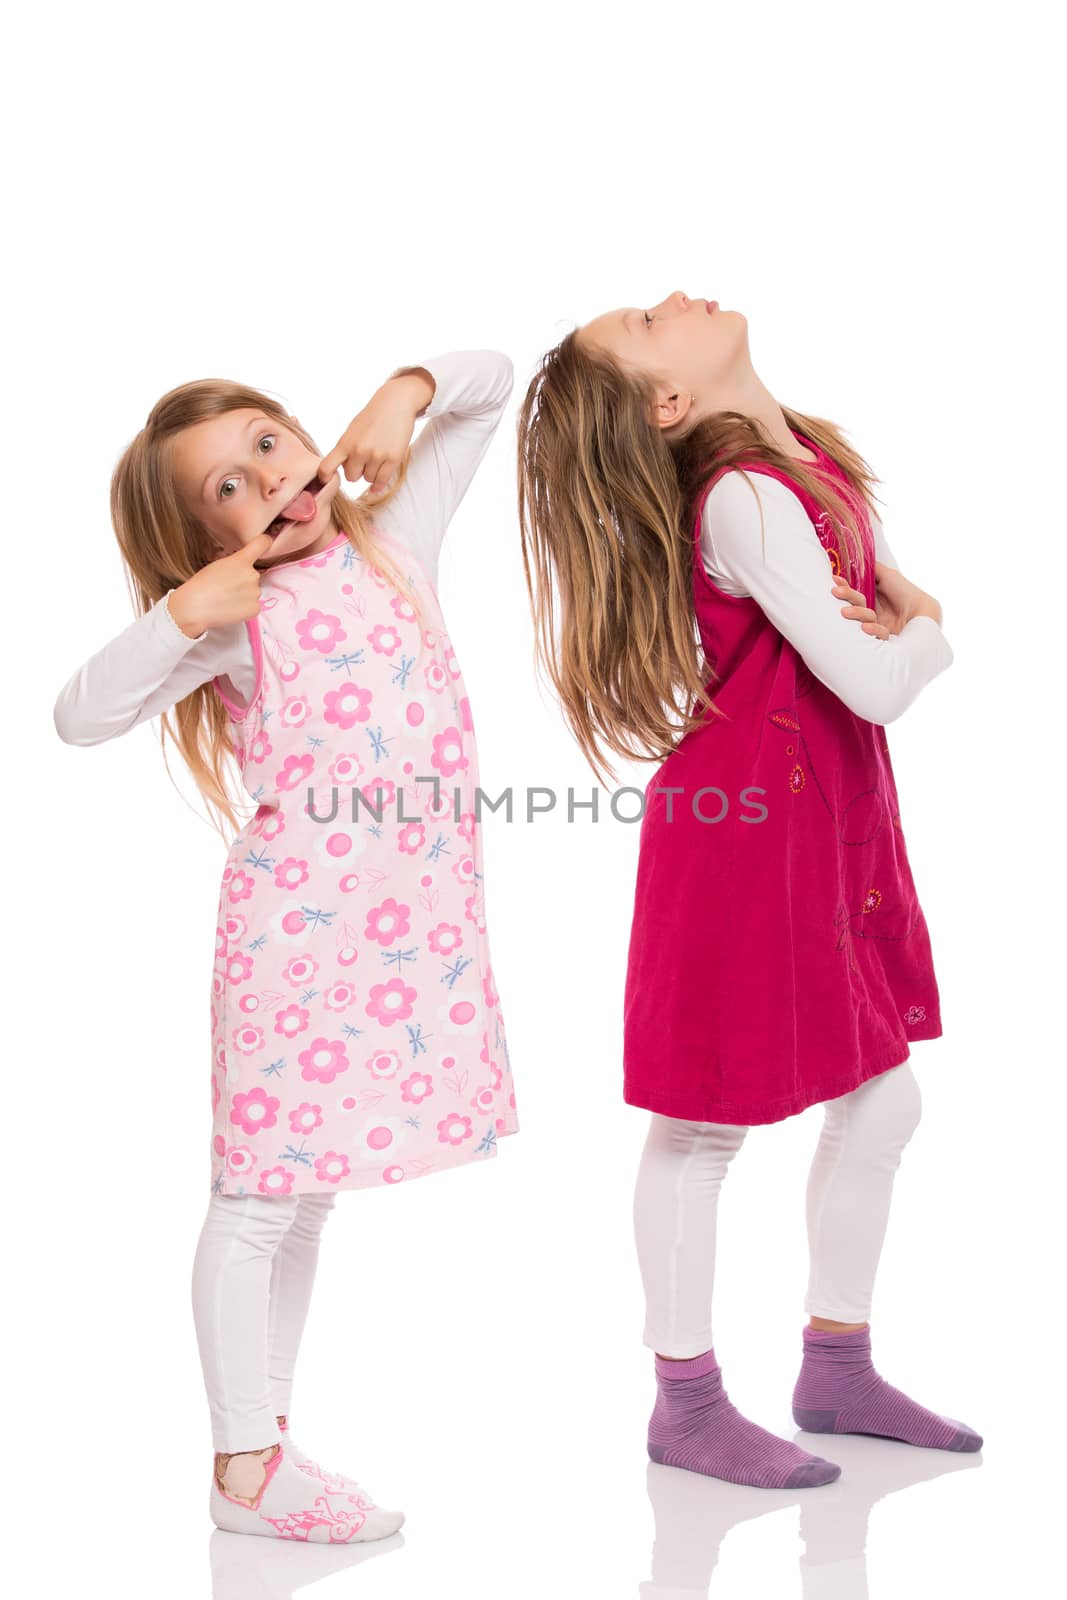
(436, 399)
(186, 638)
(933, 631)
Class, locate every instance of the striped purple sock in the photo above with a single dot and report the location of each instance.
(838, 1391)
(693, 1425)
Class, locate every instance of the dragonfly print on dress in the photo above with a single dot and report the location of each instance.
(357, 1031)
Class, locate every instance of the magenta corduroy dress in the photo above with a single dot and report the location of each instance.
(778, 952)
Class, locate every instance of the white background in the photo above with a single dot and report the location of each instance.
(304, 198)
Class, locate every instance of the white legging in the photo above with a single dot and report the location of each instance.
(252, 1276)
(849, 1189)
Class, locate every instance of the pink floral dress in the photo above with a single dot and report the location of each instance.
(357, 1033)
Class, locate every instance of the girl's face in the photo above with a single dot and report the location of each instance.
(237, 472)
(693, 350)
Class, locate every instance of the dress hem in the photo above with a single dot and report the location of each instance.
(666, 1105)
(368, 1177)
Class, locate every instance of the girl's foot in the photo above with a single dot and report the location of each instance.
(306, 1464)
(839, 1391)
(694, 1425)
(268, 1492)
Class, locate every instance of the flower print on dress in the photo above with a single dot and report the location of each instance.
(351, 988)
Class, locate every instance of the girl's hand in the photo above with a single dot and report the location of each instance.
(374, 443)
(859, 611)
(226, 590)
(899, 600)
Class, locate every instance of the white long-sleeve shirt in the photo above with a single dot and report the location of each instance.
(787, 573)
(152, 664)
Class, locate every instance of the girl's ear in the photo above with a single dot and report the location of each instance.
(671, 407)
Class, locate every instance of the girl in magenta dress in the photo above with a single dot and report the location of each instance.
(713, 591)
(357, 1037)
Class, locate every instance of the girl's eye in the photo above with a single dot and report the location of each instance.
(648, 320)
(225, 481)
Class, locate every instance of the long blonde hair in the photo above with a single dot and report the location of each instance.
(606, 503)
(163, 544)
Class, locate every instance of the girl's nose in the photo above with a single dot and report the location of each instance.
(676, 301)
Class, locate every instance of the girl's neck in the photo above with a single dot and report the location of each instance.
(748, 394)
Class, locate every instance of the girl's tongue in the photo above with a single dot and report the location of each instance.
(302, 509)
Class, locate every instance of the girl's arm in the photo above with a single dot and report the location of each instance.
(472, 389)
(787, 573)
(724, 581)
(145, 670)
(881, 548)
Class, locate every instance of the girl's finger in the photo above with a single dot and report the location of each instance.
(371, 467)
(384, 475)
(341, 456)
(844, 588)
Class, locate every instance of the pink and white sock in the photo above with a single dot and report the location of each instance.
(299, 1500)
(839, 1391)
(694, 1425)
(304, 1460)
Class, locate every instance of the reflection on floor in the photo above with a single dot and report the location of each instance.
(693, 1514)
(247, 1567)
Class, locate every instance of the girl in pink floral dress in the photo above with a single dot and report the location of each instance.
(357, 1035)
